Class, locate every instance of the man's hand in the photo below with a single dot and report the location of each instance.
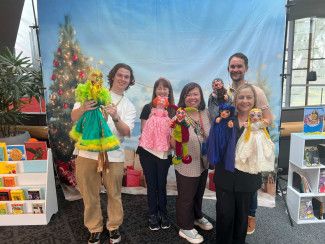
(111, 110)
(89, 105)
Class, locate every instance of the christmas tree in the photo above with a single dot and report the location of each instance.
(69, 68)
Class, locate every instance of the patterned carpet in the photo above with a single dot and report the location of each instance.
(67, 225)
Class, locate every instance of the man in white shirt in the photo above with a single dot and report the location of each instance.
(121, 119)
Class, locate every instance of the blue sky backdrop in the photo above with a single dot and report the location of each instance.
(181, 40)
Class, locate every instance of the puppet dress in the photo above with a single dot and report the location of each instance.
(91, 131)
(221, 144)
(156, 131)
(257, 154)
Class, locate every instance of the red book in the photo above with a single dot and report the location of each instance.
(36, 150)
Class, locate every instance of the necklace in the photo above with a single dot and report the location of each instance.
(119, 100)
(196, 125)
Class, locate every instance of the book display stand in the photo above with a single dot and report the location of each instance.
(28, 194)
(305, 195)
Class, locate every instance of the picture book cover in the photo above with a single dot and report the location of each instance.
(3, 208)
(36, 150)
(3, 152)
(17, 195)
(4, 195)
(9, 181)
(38, 208)
(313, 119)
(34, 194)
(17, 208)
(8, 168)
(16, 152)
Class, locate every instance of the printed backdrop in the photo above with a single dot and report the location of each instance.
(181, 40)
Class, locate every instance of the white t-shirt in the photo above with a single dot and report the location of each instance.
(127, 113)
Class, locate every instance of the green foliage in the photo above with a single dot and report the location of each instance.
(17, 79)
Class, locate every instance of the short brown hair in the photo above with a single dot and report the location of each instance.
(114, 70)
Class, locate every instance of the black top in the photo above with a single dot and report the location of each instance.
(147, 110)
(237, 181)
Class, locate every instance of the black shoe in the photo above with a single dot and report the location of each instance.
(114, 236)
(98, 237)
(94, 238)
(164, 221)
(153, 222)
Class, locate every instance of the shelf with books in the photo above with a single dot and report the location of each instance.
(30, 197)
(306, 178)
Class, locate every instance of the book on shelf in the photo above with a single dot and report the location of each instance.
(38, 208)
(8, 168)
(1, 181)
(17, 195)
(306, 209)
(321, 153)
(4, 195)
(36, 150)
(300, 183)
(321, 185)
(9, 181)
(16, 152)
(318, 208)
(3, 152)
(311, 156)
(17, 208)
(34, 194)
(313, 119)
(3, 208)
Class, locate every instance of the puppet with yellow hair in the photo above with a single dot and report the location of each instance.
(255, 149)
(91, 131)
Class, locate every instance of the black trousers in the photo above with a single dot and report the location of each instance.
(189, 199)
(155, 171)
(232, 212)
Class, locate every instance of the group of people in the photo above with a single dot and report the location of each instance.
(185, 129)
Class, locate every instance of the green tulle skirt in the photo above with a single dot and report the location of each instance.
(92, 133)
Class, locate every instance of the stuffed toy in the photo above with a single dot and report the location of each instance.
(156, 131)
(91, 131)
(255, 149)
(221, 143)
(181, 136)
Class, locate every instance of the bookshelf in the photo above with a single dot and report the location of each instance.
(295, 199)
(32, 174)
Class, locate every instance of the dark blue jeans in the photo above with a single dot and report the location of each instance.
(253, 205)
(155, 171)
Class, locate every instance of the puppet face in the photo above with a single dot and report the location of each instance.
(96, 77)
(255, 115)
(160, 102)
(217, 85)
(180, 114)
(224, 114)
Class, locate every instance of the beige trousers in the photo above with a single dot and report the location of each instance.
(89, 182)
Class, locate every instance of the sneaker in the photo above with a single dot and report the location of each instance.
(94, 238)
(114, 236)
(191, 236)
(153, 222)
(251, 225)
(164, 221)
(203, 223)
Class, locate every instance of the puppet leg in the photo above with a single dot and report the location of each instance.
(186, 158)
(178, 153)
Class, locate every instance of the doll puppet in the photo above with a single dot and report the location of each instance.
(217, 97)
(255, 149)
(156, 131)
(91, 131)
(221, 142)
(180, 134)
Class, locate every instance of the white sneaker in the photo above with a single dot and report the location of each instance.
(203, 223)
(191, 236)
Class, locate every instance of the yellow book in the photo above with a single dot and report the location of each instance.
(8, 168)
(17, 208)
(17, 195)
(3, 152)
(3, 208)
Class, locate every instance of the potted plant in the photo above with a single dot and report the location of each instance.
(17, 79)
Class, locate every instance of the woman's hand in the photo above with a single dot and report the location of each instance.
(218, 120)
(230, 124)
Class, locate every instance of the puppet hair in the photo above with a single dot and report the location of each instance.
(249, 127)
(157, 99)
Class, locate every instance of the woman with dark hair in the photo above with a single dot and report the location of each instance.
(156, 162)
(191, 178)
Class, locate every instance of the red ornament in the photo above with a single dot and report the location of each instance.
(82, 75)
(55, 63)
(53, 77)
(60, 92)
(59, 51)
(75, 57)
(65, 106)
